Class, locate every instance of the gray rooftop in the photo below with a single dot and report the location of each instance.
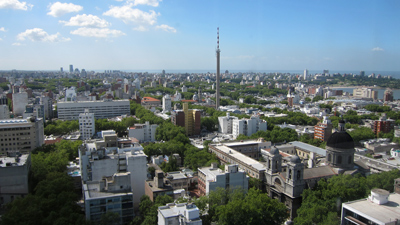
(245, 159)
(311, 148)
(11, 161)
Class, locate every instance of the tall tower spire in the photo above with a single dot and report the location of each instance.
(218, 72)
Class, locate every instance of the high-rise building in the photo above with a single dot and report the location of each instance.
(14, 174)
(225, 123)
(22, 135)
(19, 100)
(305, 75)
(61, 69)
(187, 118)
(383, 125)
(71, 68)
(86, 125)
(4, 112)
(362, 73)
(323, 130)
(166, 104)
(388, 95)
(218, 51)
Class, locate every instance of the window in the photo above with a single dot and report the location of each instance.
(339, 159)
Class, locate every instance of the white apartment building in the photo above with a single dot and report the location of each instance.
(248, 126)
(14, 172)
(19, 100)
(86, 125)
(70, 94)
(166, 103)
(97, 161)
(183, 213)
(365, 93)
(210, 178)
(21, 135)
(226, 123)
(101, 109)
(143, 132)
(111, 194)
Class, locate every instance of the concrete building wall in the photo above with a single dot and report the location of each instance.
(20, 100)
(101, 109)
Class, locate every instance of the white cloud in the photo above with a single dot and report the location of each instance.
(86, 21)
(1, 39)
(14, 4)
(166, 28)
(16, 44)
(38, 34)
(136, 17)
(2, 29)
(377, 49)
(58, 9)
(97, 32)
(153, 3)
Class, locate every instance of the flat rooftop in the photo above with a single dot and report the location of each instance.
(211, 173)
(11, 161)
(243, 158)
(307, 147)
(385, 213)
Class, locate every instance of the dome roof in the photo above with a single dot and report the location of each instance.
(295, 159)
(274, 151)
(341, 140)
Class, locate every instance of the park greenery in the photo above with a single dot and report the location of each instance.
(225, 206)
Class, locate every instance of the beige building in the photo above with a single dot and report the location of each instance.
(21, 135)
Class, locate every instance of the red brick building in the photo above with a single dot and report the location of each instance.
(323, 130)
(383, 125)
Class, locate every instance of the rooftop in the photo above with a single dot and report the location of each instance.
(311, 148)
(385, 213)
(12, 161)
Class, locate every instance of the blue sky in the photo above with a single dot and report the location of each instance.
(181, 34)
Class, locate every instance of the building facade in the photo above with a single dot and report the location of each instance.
(383, 125)
(190, 119)
(166, 105)
(21, 135)
(248, 126)
(86, 125)
(19, 100)
(211, 178)
(101, 109)
(323, 130)
(14, 172)
(225, 123)
(143, 132)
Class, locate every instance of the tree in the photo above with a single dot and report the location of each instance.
(362, 133)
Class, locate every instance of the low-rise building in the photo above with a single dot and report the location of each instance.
(183, 213)
(175, 184)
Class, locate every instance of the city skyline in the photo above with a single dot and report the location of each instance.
(181, 35)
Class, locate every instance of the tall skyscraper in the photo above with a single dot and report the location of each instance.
(305, 74)
(218, 55)
(71, 68)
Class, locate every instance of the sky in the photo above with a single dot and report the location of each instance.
(182, 35)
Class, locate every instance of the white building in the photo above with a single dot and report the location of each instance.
(111, 194)
(211, 178)
(175, 214)
(225, 123)
(101, 109)
(166, 103)
(21, 135)
(70, 94)
(86, 125)
(305, 75)
(4, 112)
(143, 132)
(248, 126)
(184, 88)
(19, 100)
(381, 207)
(14, 172)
